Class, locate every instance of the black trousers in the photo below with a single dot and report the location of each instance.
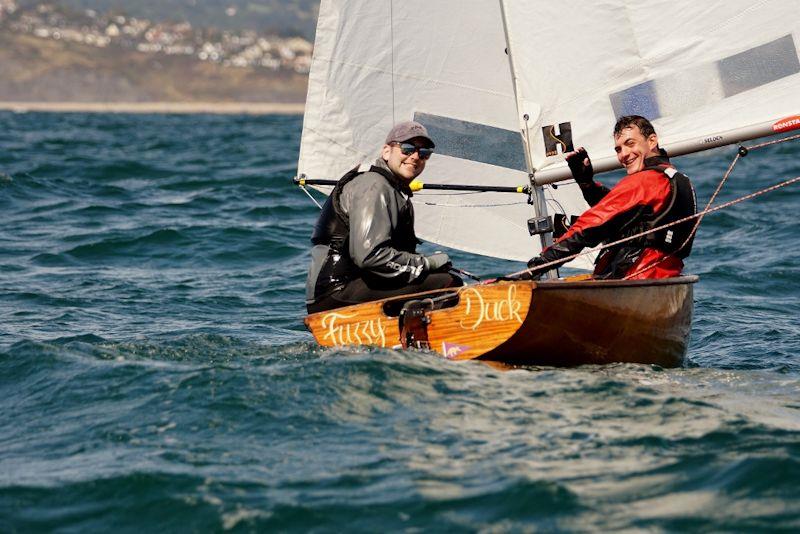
(359, 290)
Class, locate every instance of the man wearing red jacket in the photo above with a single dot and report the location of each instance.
(652, 194)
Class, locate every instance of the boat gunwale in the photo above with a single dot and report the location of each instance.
(541, 285)
(550, 285)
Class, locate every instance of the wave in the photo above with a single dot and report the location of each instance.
(156, 372)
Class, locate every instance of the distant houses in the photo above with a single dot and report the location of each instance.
(246, 49)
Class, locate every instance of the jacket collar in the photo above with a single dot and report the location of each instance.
(398, 183)
(658, 161)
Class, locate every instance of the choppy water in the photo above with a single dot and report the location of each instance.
(155, 373)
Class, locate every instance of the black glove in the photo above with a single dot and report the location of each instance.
(581, 166)
(438, 261)
(525, 275)
(536, 262)
(533, 265)
(530, 275)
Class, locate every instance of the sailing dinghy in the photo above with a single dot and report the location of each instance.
(505, 87)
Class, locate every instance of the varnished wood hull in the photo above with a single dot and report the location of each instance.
(557, 323)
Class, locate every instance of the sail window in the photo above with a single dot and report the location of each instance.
(759, 66)
(641, 99)
(691, 89)
(475, 141)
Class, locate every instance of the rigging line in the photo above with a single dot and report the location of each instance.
(430, 193)
(713, 197)
(557, 204)
(552, 264)
(314, 200)
(741, 153)
(773, 142)
(473, 205)
(468, 274)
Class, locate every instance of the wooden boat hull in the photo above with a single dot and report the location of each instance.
(558, 323)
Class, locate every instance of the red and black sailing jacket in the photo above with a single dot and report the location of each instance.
(654, 196)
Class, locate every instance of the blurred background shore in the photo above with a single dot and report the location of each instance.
(233, 108)
(190, 56)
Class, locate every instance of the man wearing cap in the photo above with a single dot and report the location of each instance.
(364, 241)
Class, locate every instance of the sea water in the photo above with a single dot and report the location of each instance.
(155, 373)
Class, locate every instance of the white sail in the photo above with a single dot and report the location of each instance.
(707, 73)
(377, 62)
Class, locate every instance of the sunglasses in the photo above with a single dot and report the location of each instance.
(408, 148)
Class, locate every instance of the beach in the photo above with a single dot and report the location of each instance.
(223, 108)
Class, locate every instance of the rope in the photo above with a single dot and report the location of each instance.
(553, 264)
(472, 205)
(774, 142)
(462, 272)
(314, 200)
(461, 194)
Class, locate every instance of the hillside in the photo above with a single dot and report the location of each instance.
(53, 53)
(36, 69)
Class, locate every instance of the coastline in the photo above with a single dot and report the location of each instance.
(223, 108)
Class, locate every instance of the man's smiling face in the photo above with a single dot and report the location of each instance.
(633, 148)
(405, 166)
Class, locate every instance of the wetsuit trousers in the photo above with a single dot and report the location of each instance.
(359, 290)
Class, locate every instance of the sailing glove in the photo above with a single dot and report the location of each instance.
(437, 262)
(533, 263)
(581, 167)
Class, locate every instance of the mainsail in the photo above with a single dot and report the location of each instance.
(507, 86)
(444, 64)
(706, 73)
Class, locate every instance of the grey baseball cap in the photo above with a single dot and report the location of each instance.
(404, 131)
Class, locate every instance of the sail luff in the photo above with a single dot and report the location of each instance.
(537, 192)
(515, 85)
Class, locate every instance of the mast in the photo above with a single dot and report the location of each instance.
(536, 190)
